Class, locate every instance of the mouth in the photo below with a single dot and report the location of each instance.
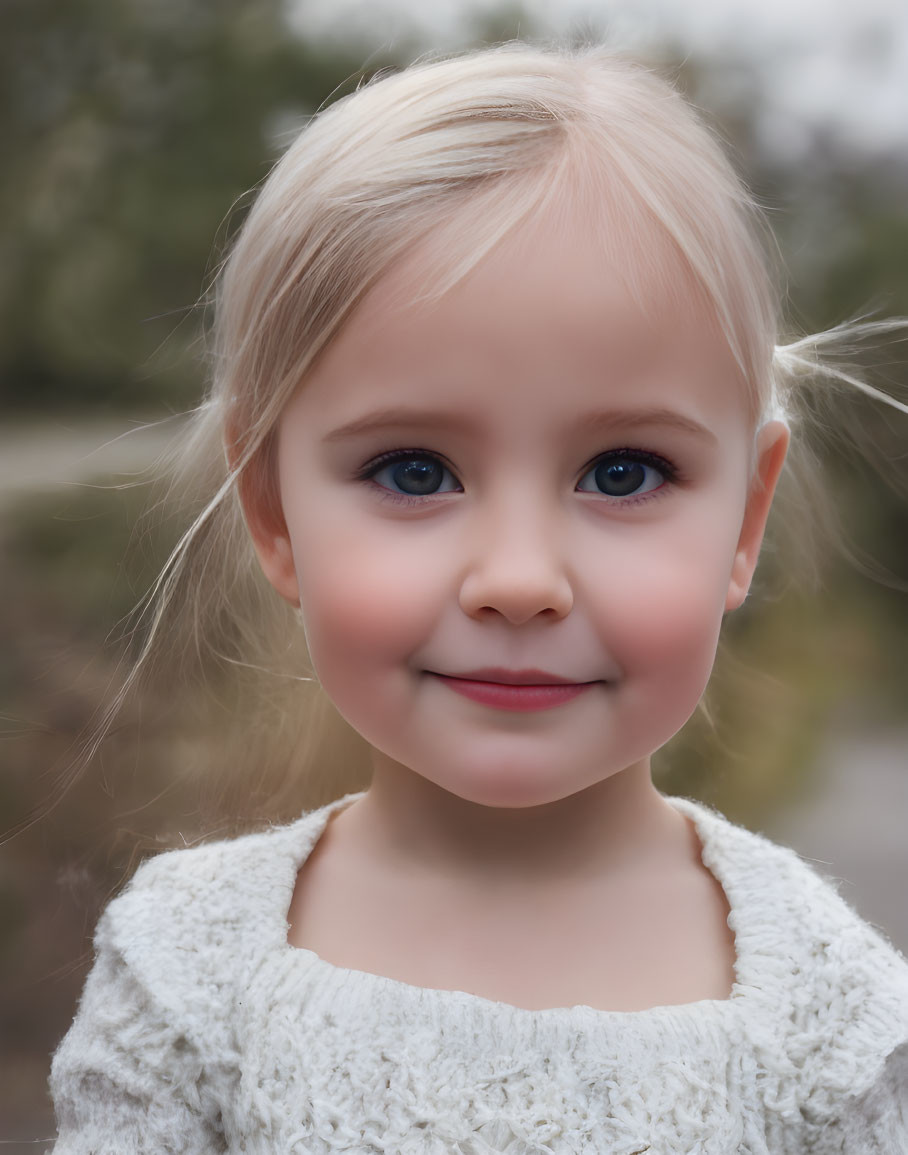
(515, 690)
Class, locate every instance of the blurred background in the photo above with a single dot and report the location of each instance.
(130, 132)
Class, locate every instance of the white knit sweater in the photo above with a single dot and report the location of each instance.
(201, 1029)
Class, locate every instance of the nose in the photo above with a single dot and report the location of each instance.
(516, 568)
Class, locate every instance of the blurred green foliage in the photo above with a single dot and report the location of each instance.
(130, 133)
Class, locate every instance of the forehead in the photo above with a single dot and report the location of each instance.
(570, 308)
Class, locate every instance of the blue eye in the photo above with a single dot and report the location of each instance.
(627, 474)
(411, 473)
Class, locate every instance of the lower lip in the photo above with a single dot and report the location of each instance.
(519, 698)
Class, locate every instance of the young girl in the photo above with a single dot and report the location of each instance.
(503, 408)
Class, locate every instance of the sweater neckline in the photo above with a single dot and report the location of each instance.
(744, 920)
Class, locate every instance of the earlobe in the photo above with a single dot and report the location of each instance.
(772, 446)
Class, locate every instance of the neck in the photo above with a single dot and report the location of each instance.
(616, 826)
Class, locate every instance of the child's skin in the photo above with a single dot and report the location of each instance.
(522, 855)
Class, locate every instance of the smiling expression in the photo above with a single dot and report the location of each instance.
(540, 477)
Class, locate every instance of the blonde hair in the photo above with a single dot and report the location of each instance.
(486, 140)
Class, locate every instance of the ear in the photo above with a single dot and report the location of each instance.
(259, 493)
(772, 445)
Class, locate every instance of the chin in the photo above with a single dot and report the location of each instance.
(507, 791)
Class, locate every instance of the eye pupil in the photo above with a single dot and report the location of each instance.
(620, 478)
(418, 476)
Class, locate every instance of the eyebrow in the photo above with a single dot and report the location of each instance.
(406, 418)
(401, 419)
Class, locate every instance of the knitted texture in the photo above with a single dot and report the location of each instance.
(200, 1029)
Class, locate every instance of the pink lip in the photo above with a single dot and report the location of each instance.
(523, 691)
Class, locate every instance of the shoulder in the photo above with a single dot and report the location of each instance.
(790, 907)
(830, 993)
(192, 922)
(152, 1051)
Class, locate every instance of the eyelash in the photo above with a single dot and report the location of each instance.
(669, 472)
(372, 467)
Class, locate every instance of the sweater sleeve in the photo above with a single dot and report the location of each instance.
(125, 1079)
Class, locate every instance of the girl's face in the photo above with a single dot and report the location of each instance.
(540, 477)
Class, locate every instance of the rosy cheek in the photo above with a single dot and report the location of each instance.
(670, 619)
(357, 602)
(680, 643)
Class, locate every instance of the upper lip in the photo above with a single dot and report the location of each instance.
(514, 677)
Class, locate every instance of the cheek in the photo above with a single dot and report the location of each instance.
(677, 628)
(664, 642)
(669, 617)
(361, 601)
